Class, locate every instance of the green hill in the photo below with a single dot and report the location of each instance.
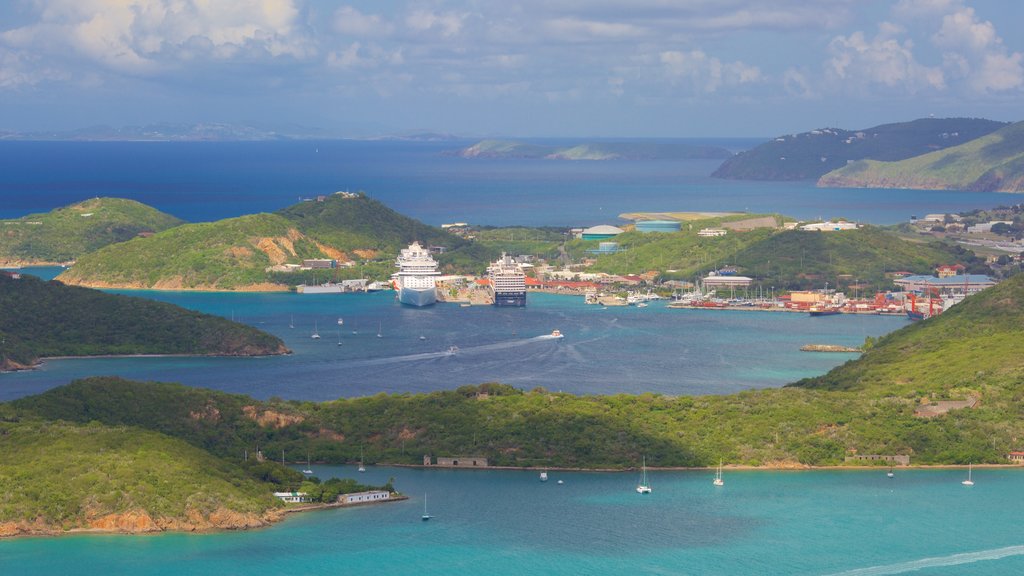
(252, 252)
(357, 224)
(638, 150)
(800, 260)
(44, 319)
(810, 155)
(785, 259)
(231, 254)
(64, 234)
(991, 163)
(62, 476)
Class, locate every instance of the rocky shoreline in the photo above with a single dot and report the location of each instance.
(140, 522)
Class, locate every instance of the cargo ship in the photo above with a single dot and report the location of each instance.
(508, 282)
(416, 279)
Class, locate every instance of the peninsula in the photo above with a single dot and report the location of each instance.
(47, 319)
(810, 155)
(992, 163)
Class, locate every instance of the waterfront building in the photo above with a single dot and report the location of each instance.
(364, 497)
(723, 281)
(319, 263)
(960, 284)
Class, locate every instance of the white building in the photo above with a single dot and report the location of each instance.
(711, 232)
(292, 497)
(364, 497)
(830, 226)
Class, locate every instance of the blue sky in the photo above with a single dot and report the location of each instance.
(683, 68)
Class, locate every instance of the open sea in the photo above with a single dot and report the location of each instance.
(854, 523)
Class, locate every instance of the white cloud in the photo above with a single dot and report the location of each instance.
(144, 36)
(998, 72)
(446, 24)
(962, 29)
(858, 63)
(705, 73)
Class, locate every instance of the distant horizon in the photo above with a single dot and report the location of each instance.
(303, 133)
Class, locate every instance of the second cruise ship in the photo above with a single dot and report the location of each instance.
(416, 279)
(508, 282)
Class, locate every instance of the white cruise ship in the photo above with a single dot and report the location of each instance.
(416, 278)
(508, 282)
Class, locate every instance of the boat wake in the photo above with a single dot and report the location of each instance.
(451, 352)
(952, 560)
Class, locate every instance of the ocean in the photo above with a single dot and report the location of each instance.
(604, 350)
(204, 181)
(850, 523)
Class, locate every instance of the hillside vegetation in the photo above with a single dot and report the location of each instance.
(992, 163)
(786, 259)
(249, 252)
(809, 155)
(61, 476)
(231, 254)
(866, 406)
(64, 234)
(42, 319)
(646, 150)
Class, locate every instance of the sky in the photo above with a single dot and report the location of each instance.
(601, 68)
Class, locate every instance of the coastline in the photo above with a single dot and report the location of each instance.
(17, 367)
(135, 523)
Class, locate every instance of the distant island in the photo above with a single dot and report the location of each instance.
(810, 155)
(645, 150)
(63, 234)
(48, 319)
(991, 163)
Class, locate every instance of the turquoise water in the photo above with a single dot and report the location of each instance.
(855, 523)
(604, 351)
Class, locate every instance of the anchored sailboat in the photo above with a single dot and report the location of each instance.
(644, 487)
(718, 476)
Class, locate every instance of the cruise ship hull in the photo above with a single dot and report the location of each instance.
(414, 297)
(510, 299)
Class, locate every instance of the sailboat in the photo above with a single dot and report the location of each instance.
(425, 516)
(718, 476)
(309, 469)
(361, 467)
(890, 473)
(968, 482)
(379, 332)
(339, 337)
(644, 487)
(291, 322)
(355, 328)
(316, 333)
